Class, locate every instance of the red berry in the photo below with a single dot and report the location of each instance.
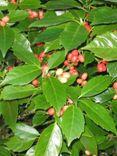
(81, 58)
(34, 14)
(42, 54)
(40, 44)
(73, 72)
(35, 83)
(115, 85)
(101, 67)
(66, 63)
(51, 111)
(104, 62)
(72, 68)
(74, 59)
(69, 56)
(13, 1)
(9, 68)
(87, 26)
(75, 52)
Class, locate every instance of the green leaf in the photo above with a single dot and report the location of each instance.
(17, 92)
(95, 86)
(52, 20)
(105, 96)
(98, 114)
(53, 45)
(32, 4)
(88, 141)
(40, 102)
(50, 142)
(4, 151)
(39, 118)
(56, 59)
(21, 75)
(48, 35)
(89, 58)
(25, 132)
(23, 50)
(114, 106)
(72, 123)
(97, 16)
(112, 69)
(6, 39)
(54, 5)
(55, 92)
(104, 46)
(72, 37)
(18, 145)
(17, 15)
(10, 112)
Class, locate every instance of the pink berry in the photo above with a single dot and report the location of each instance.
(42, 54)
(74, 59)
(2, 24)
(84, 76)
(35, 82)
(51, 111)
(75, 52)
(101, 67)
(5, 19)
(69, 56)
(79, 81)
(81, 58)
(41, 14)
(66, 63)
(115, 85)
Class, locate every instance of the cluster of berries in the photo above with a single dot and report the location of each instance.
(62, 76)
(101, 67)
(73, 59)
(83, 79)
(40, 56)
(51, 111)
(4, 21)
(115, 88)
(34, 14)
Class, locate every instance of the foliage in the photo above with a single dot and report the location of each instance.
(58, 77)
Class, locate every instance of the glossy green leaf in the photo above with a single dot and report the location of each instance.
(26, 4)
(54, 5)
(50, 142)
(114, 106)
(53, 45)
(112, 69)
(52, 20)
(97, 15)
(98, 114)
(95, 86)
(25, 132)
(105, 96)
(22, 49)
(17, 15)
(72, 37)
(89, 58)
(72, 123)
(18, 145)
(40, 102)
(104, 46)
(21, 75)
(56, 59)
(6, 39)
(48, 35)
(17, 92)
(55, 92)
(10, 112)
